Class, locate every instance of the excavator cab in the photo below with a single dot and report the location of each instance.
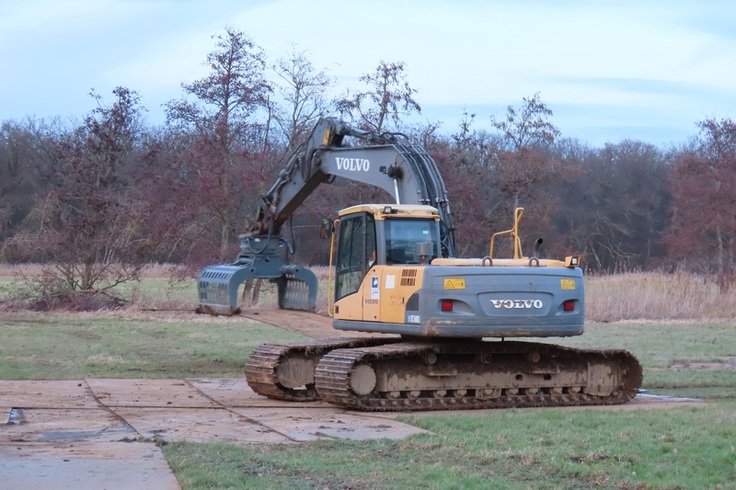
(372, 237)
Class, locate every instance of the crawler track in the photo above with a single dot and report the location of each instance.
(452, 375)
(286, 371)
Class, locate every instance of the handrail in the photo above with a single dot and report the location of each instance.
(513, 233)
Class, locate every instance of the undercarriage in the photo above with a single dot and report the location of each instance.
(403, 374)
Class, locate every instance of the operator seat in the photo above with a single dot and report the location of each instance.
(396, 256)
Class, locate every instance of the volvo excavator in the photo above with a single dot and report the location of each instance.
(450, 327)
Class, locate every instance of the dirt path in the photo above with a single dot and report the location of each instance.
(310, 324)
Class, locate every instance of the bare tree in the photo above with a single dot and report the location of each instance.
(226, 141)
(527, 125)
(704, 198)
(21, 161)
(613, 203)
(227, 100)
(388, 97)
(86, 225)
(303, 89)
(525, 165)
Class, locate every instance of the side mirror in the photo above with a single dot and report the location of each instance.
(325, 229)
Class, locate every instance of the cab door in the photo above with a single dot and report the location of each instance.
(354, 269)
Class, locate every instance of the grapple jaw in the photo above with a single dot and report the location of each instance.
(297, 287)
(218, 289)
(218, 285)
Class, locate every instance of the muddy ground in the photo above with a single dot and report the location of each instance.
(105, 433)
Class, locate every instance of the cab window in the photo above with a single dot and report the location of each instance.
(402, 237)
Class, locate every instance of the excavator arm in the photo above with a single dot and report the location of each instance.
(388, 161)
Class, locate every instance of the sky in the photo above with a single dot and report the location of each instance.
(609, 70)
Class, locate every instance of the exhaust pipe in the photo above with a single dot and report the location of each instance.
(535, 248)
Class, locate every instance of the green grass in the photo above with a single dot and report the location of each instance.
(71, 346)
(516, 449)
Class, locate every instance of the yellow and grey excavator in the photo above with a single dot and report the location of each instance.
(395, 272)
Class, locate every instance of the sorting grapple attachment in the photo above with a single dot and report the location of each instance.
(297, 288)
(260, 258)
(218, 288)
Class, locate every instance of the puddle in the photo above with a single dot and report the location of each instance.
(67, 436)
(15, 417)
(653, 396)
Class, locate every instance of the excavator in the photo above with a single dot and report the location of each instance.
(446, 329)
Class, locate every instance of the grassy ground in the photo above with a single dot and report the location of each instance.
(677, 448)
(688, 447)
(126, 345)
(517, 449)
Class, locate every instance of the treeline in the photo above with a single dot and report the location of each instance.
(100, 199)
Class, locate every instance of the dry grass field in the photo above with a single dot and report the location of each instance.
(657, 296)
(654, 296)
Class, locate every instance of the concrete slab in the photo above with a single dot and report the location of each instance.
(65, 425)
(329, 423)
(235, 392)
(198, 425)
(46, 393)
(175, 410)
(148, 393)
(84, 466)
(96, 433)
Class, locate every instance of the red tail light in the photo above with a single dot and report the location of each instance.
(569, 305)
(446, 305)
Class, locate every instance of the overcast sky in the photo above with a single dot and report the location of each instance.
(609, 70)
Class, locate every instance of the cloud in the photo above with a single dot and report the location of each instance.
(672, 60)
